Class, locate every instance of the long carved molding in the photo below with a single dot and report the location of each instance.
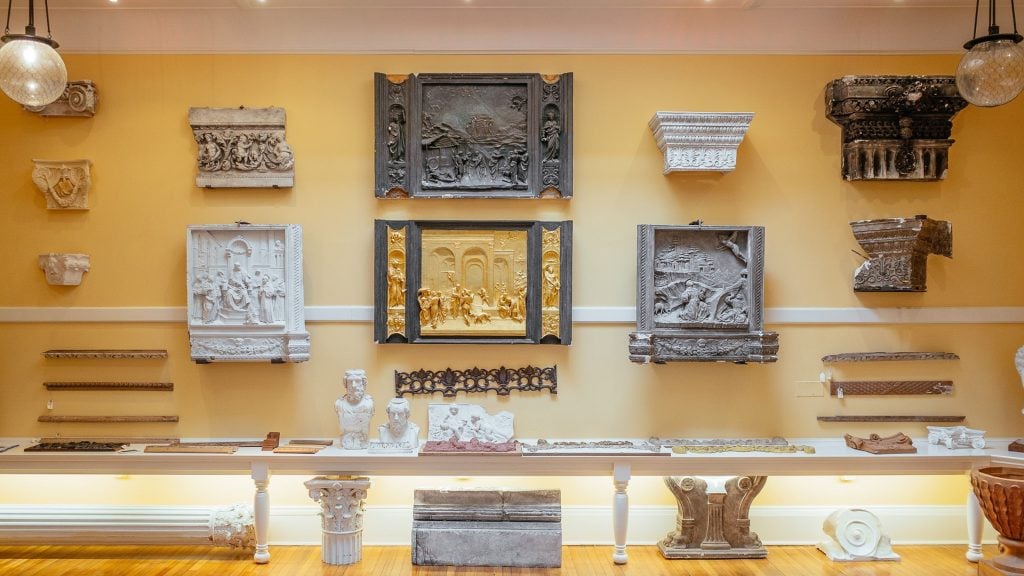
(700, 141)
(501, 380)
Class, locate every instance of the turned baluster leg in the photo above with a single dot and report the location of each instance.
(975, 523)
(261, 511)
(620, 512)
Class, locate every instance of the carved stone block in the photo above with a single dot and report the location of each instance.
(342, 504)
(64, 269)
(246, 293)
(242, 148)
(894, 127)
(856, 535)
(700, 292)
(898, 250)
(64, 183)
(700, 141)
(713, 520)
(78, 100)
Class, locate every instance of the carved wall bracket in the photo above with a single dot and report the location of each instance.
(713, 521)
(242, 148)
(700, 141)
(501, 380)
(64, 183)
(78, 100)
(898, 250)
(64, 269)
(894, 127)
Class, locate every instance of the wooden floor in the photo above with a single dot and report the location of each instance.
(394, 561)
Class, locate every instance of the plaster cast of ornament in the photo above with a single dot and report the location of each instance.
(242, 148)
(894, 127)
(64, 269)
(233, 526)
(592, 448)
(64, 183)
(398, 434)
(355, 409)
(466, 422)
(342, 505)
(700, 141)
(246, 293)
(897, 250)
(78, 100)
(500, 380)
(956, 437)
(713, 518)
(856, 535)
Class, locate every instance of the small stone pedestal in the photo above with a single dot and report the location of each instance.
(341, 501)
(714, 518)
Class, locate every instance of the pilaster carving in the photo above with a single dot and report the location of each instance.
(64, 183)
(715, 522)
(78, 100)
(242, 148)
(63, 269)
(342, 504)
(700, 141)
(897, 250)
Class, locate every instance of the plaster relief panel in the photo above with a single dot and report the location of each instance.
(246, 293)
(894, 127)
(700, 141)
(242, 148)
(64, 269)
(64, 183)
(897, 251)
(78, 100)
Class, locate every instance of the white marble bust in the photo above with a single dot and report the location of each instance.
(355, 409)
(398, 428)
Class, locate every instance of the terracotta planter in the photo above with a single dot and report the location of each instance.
(1001, 494)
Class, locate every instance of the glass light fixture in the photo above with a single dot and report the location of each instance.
(31, 71)
(992, 71)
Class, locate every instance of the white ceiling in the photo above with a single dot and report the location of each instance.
(511, 26)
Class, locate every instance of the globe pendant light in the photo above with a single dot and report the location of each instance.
(992, 71)
(31, 71)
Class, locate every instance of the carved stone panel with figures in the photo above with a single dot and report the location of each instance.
(245, 293)
(242, 148)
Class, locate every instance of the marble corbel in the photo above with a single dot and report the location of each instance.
(64, 269)
(700, 141)
(78, 100)
(897, 251)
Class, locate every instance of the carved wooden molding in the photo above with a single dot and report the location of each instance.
(189, 449)
(889, 387)
(78, 100)
(106, 419)
(63, 269)
(107, 354)
(123, 386)
(898, 250)
(898, 443)
(501, 380)
(891, 418)
(64, 183)
(888, 356)
(242, 148)
(700, 141)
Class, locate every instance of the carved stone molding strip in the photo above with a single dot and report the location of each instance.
(79, 99)
(75, 446)
(769, 448)
(106, 354)
(773, 441)
(891, 418)
(189, 449)
(888, 356)
(64, 269)
(290, 449)
(242, 148)
(126, 386)
(106, 419)
(501, 380)
(898, 443)
(700, 141)
(898, 250)
(889, 387)
(585, 448)
(113, 439)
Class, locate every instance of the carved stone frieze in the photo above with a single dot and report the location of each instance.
(245, 291)
(500, 380)
(78, 100)
(64, 183)
(888, 356)
(64, 269)
(713, 520)
(897, 250)
(342, 505)
(855, 535)
(700, 141)
(894, 127)
(898, 443)
(107, 354)
(242, 148)
(592, 448)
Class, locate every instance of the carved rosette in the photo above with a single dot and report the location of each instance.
(700, 141)
(396, 281)
(64, 183)
(898, 250)
(233, 526)
(242, 148)
(342, 504)
(79, 99)
(894, 127)
(64, 269)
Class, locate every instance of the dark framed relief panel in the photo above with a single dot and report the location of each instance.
(473, 136)
(472, 282)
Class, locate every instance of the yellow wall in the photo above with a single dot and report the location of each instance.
(788, 179)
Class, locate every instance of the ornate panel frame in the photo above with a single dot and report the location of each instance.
(477, 135)
(513, 286)
(700, 295)
(245, 293)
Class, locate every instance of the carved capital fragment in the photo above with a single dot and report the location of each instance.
(64, 269)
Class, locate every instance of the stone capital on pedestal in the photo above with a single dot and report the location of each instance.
(341, 500)
(700, 141)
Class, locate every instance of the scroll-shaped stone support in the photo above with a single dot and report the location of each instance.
(894, 127)
(898, 250)
(64, 269)
(78, 100)
(341, 500)
(714, 518)
(856, 535)
(242, 148)
(700, 141)
(64, 183)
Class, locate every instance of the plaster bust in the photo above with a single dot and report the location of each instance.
(398, 427)
(355, 409)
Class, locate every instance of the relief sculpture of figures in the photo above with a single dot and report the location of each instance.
(468, 428)
(242, 148)
(355, 409)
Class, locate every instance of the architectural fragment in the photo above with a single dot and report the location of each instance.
(842, 388)
(242, 148)
(592, 448)
(107, 354)
(894, 127)
(887, 356)
(473, 135)
(355, 409)
(245, 292)
(468, 428)
(63, 269)
(64, 183)
(898, 250)
(106, 419)
(342, 504)
(855, 535)
(500, 380)
(521, 528)
(700, 292)
(700, 141)
(956, 437)
(690, 442)
(713, 520)
(1000, 493)
(888, 418)
(79, 99)
(122, 386)
(898, 443)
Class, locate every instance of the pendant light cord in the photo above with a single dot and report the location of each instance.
(46, 7)
(7, 28)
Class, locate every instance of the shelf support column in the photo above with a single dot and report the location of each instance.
(620, 512)
(975, 523)
(261, 510)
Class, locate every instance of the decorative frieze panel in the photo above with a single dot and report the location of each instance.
(246, 293)
(897, 250)
(242, 148)
(500, 380)
(64, 183)
(894, 127)
(64, 269)
(700, 141)
(78, 100)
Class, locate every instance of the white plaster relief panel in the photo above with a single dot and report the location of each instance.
(245, 292)
(466, 422)
(64, 183)
(242, 148)
(700, 141)
(63, 269)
